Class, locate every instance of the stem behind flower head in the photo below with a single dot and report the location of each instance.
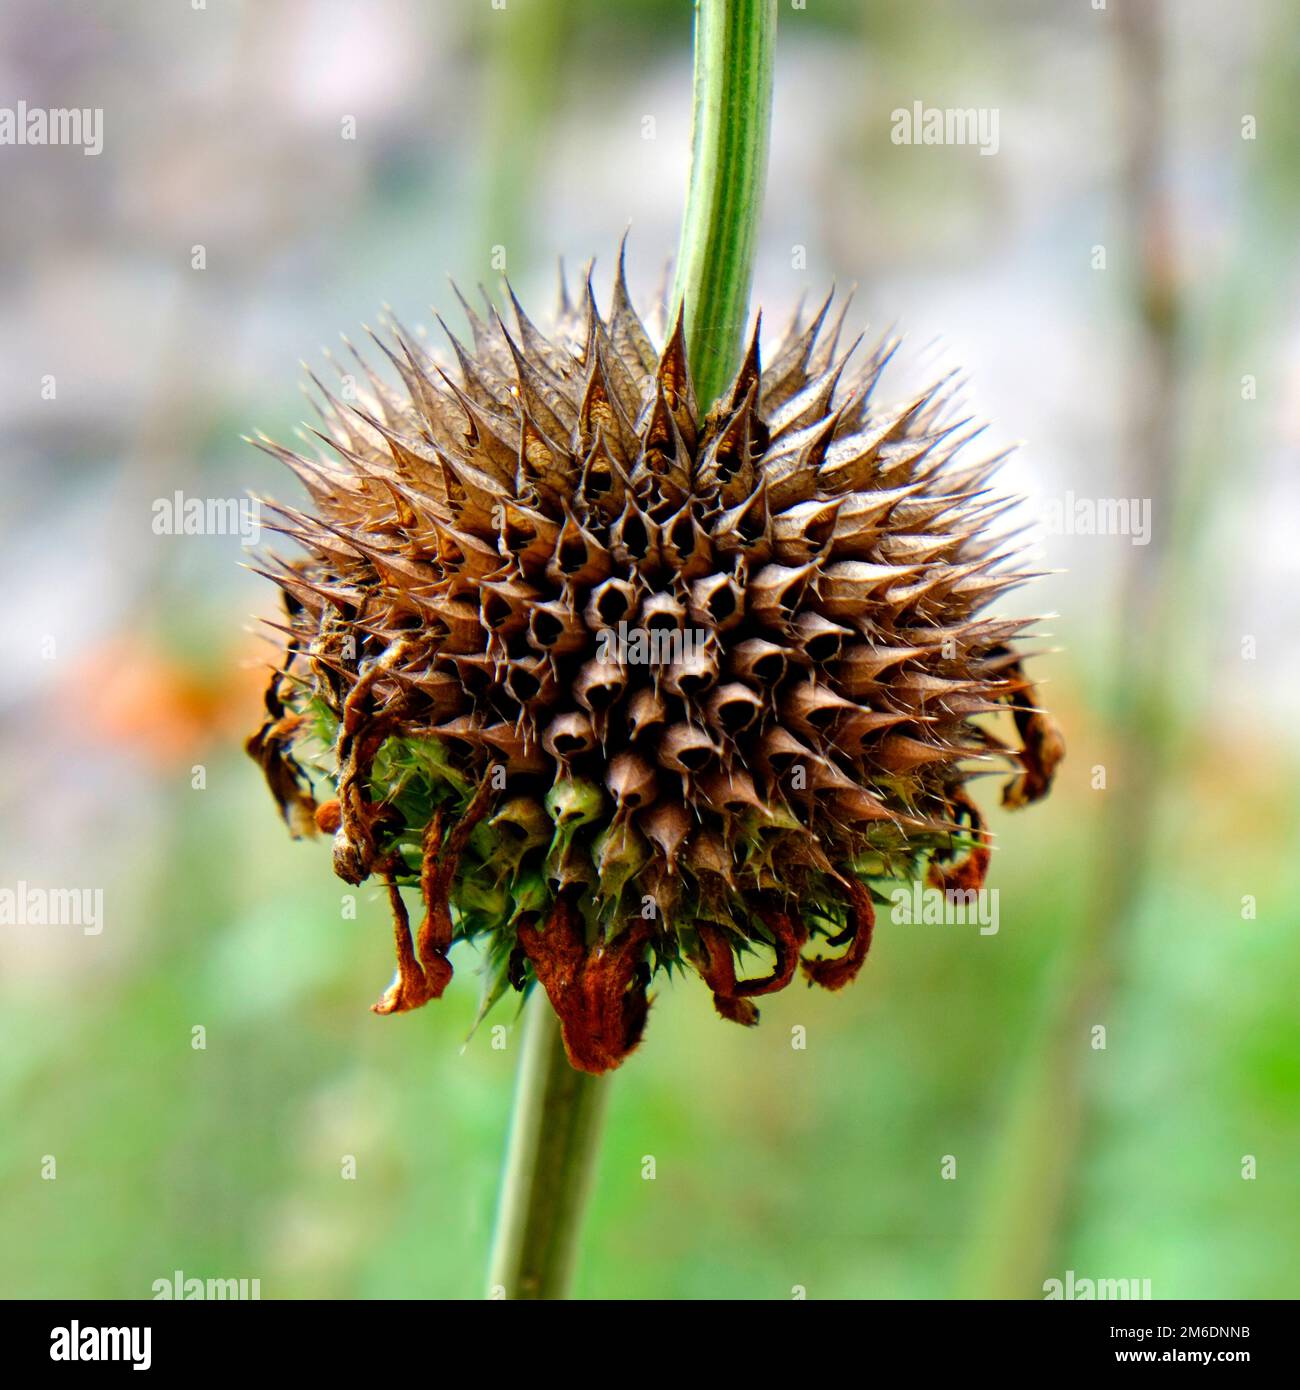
(731, 116)
(558, 1111)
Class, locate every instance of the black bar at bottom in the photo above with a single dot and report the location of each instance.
(388, 1339)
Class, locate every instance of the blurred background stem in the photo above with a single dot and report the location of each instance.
(1022, 1226)
(730, 120)
(554, 1141)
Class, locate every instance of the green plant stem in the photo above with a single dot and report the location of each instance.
(731, 117)
(558, 1111)
(554, 1137)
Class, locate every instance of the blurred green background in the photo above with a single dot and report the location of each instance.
(1168, 369)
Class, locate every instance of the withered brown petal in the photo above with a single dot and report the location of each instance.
(597, 994)
(835, 973)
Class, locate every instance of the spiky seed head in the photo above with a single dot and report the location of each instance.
(621, 684)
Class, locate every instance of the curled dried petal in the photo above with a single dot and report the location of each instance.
(1042, 746)
(731, 996)
(424, 972)
(414, 985)
(842, 970)
(271, 748)
(968, 874)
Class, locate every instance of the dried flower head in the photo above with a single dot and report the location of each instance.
(623, 686)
